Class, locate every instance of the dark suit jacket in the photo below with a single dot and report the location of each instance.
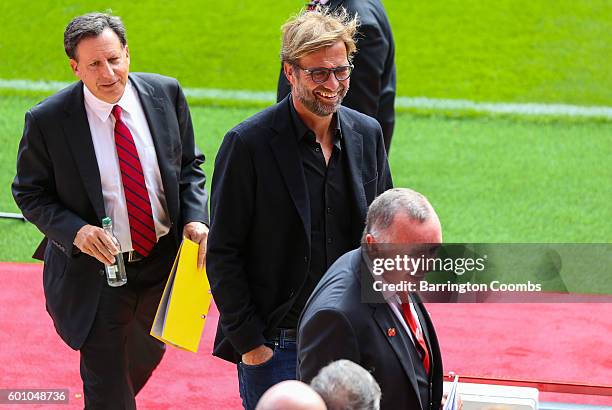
(336, 324)
(259, 242)
(58, 189)
(372, 89)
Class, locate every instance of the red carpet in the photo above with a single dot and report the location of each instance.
(561, 342)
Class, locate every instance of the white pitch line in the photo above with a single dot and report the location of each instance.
(562, 110)
(434, 104)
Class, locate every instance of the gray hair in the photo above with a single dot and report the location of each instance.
(312, 31)
(384, 208)
(91, 25)
(345, 385)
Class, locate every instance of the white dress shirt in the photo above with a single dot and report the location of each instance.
(395, 304)
(102, 126)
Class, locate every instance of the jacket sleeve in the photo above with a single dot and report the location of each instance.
(192, 192)
(232, 205)
(385, 181)
(324, 337)
(34, 190)
(366, 78)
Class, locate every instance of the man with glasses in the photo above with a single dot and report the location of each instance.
(289, 196)
(373, 85)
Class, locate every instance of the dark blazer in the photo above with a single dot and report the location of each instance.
(58, 189)
(372, 89)
(336, 324)
(259, 242)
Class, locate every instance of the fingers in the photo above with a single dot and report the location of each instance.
(198, 232)
(95, 242)
(102, 246)
(202, 253)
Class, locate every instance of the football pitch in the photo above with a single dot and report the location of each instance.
(491, 178)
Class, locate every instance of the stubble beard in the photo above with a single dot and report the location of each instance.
(314, 104)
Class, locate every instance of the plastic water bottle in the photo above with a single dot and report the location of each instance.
(115, 273)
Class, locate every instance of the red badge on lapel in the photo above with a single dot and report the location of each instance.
(391, 332)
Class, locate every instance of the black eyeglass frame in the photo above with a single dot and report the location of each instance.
(328, 71)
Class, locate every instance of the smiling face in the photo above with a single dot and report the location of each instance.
(102, 63)
(320, 99)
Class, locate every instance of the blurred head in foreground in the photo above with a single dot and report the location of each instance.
(345, 385)
(290, 395)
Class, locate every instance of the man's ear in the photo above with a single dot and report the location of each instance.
(289, 71)
(127, 54)
(370, 239)
(74, 66)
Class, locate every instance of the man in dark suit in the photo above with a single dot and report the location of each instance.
(373, 80)
(119, 145)
(289, 196)
(390, 334)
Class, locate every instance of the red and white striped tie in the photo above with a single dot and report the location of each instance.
(140, 215)
(417, 333)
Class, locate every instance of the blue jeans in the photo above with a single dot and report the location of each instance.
(255, 380)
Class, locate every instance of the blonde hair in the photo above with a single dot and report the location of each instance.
(311, 31)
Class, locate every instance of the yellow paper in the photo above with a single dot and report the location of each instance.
(185, 302)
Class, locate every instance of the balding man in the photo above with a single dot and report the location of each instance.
(344, 385)
(394, 338)
(291, 395)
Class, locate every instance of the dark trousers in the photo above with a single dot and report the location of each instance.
(254, 380)
(119, 355)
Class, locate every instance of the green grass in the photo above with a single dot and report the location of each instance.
(490, 179)
(508, 50)
(18, 239)
(498, 180)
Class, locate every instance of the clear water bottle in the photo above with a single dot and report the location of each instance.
(115, 273)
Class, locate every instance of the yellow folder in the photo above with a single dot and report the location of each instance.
(183, 307)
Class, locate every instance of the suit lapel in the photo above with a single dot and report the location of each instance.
(400, 343)
(285, 149)
(155, 113)
(79, 141)
(353, 143)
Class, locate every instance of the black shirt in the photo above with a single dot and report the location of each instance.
(329, 194)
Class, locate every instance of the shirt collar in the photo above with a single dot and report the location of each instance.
(102, 109)
(301, 130)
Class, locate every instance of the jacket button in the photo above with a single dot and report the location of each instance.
(101, 272)
(306, 259)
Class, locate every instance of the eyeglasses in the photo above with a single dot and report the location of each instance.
(320, 75)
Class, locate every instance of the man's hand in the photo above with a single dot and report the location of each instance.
(257, 356)
(445, 397)
(95, 242)
(197, 232)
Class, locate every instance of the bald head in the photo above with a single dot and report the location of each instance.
(291, 395)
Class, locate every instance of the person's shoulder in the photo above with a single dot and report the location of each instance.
(155, 79)
(259, 126)
(358, 120)
(339, 288)
(52, 105)
(161, 85)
